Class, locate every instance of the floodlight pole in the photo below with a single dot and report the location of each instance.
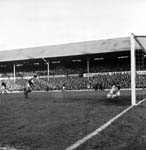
(133, 70)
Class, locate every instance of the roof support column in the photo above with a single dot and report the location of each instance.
(14, 72)
(88, 68)
(48, 70)
(48, 67)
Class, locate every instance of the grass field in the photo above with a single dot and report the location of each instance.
(55, 120)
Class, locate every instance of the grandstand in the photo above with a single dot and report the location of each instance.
(56, 120)
(82, 59)
(70, 62)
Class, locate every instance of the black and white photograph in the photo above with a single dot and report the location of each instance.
(72, 75)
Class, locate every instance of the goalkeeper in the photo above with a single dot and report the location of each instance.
(114, 92)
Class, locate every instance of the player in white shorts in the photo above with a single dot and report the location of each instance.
(114, 92)
(3, 88)
(63, 87)
(29, 86)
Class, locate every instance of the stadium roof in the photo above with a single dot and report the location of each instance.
(71, 49)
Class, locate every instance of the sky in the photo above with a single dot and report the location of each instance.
(32, 23)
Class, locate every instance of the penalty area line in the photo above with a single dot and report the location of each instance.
(98, 130)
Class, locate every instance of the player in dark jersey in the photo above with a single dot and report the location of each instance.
(29, 86)
(4, 88)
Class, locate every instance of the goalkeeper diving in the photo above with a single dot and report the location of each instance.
(114, 92)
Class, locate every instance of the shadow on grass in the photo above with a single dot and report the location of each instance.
(123, 101)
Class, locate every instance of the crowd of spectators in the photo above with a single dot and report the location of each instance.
(103, 80)
(98, 81)
(106, 75)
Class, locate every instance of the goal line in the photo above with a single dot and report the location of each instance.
(104, 126)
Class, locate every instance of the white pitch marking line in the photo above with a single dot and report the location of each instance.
(3, 148)
(98, 130)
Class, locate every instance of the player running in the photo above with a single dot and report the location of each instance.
(114, 92)
(4, 88)
(29, 86)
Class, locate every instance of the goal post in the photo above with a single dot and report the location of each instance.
(133, 70)
(138, 68)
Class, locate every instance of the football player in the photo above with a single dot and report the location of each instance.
(114, 92)
(29, 85)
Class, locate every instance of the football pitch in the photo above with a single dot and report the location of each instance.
(56, 120)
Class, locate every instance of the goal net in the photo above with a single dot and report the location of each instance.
(138, 68)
